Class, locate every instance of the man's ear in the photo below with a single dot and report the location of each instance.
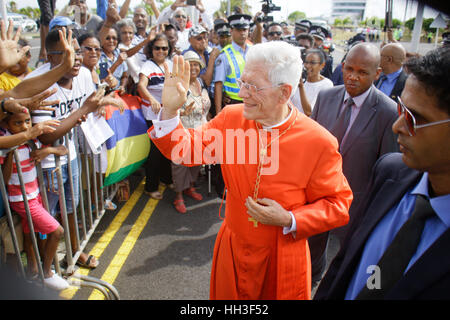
(377, 75)
(286, 90)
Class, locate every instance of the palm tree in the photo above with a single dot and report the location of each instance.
(12, 6)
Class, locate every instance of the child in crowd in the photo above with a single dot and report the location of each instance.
(19, 125)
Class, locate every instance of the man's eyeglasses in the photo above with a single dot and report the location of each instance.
(157, 48)
(91, 49)
(78, 52)
(178, 16)
(251, 87)
(411, 121)
(111, 38)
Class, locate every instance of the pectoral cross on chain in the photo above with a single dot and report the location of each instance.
(255, 222)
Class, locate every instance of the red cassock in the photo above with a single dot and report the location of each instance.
(258, 261)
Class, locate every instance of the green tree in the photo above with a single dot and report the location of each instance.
(12, 6)
(296, 15)
(161, 4)
(396, 23)
(346, 21)
(222, 12)
(337, 22)
(425, 24)
(410, 24)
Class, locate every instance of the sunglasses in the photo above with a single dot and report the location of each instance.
(411, 120)
(91, 49)
(178, 16)
(157, 48)
(275, 33)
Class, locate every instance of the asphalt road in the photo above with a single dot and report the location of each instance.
(171, 256)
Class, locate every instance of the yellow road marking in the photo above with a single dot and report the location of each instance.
(121, 256)
(107, 236)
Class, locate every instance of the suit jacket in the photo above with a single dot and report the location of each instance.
(428, 278)
(398, 86)
(369, 137)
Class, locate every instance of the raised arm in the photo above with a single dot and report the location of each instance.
(151, 35)
(112, 16)
(154, 7)
(124, 9)
(9, 52)
(176, 86)
(32, 133)
(27, 104)
(304, 99)
(208, 75)
(33, 86)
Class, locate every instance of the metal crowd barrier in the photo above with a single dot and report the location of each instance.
(87, 214)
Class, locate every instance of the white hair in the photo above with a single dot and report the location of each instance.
(179, 10)
(281, 60)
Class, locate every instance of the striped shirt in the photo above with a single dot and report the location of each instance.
(155, 75)
(29, 173)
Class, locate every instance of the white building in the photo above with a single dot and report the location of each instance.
(348, 8)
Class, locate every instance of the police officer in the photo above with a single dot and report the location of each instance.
(301, 26)
(223, 31)
(230, 63)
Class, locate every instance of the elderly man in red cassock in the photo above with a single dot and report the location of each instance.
(282, 171)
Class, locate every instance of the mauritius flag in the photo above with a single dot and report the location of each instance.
(128, 148)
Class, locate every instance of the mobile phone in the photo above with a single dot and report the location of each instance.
(103, 87)
(103, 66)
(191, 2)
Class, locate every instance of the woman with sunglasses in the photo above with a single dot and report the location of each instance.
(150, 86)
(113, 68)
(90, 45)
(305, 96)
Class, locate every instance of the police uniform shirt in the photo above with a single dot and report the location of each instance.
(222, 67)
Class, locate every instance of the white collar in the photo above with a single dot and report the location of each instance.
(282, 122)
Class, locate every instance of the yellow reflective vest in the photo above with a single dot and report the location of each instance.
(237, 63)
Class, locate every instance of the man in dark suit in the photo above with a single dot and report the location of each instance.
(399, 183)
(361, 118)
(392, 79)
